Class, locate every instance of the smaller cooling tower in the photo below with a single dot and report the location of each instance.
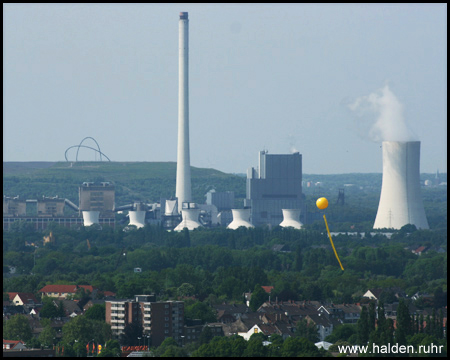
(291, 218)
(171, 207)
(90, 217)
(190, 219)
(401, 198)
(241, 217)
(137, 218)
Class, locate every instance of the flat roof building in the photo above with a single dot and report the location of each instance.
(274, 185)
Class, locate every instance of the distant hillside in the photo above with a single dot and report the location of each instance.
(134, 181)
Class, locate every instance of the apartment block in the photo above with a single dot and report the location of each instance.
(159, 319)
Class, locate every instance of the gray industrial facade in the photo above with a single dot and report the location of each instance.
(276, 184)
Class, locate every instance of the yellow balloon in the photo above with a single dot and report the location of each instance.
(322, 203)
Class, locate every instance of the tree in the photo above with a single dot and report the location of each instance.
(372, 317)
(50, 310)
(17, 328)
(200, 310)
(96, 312)
(185, 289)
(255, 348)
(363, 327)
(84, 330)
(111, 349)
(295, 347)
(404, 324)
(341, 332)
(46, 337)
(259, 296)
(307, 330)
(131, 334)
(165, 345)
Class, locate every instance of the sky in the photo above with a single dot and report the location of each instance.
(331, 81)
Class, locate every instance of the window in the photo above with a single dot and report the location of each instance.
(167, 325)
(256, 330)
(166, 331)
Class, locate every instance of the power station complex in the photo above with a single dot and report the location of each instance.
(273, 189)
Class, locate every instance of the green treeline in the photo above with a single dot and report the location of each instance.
(223, 264)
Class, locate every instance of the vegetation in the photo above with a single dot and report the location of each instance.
(210, 266)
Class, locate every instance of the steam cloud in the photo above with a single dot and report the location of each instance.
(384, 114)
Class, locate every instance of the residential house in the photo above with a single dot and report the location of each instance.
(62, 291)
(13, 345)
(373, 294)
(12, 310)
(346, 313)
(228, 313)
(324, 325)
(71, 307)
(420, 250)
(266, 329)
(20, 298)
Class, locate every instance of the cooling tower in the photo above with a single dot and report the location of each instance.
(90, 217)
(190, 219)
(291, 218)
(241, 217)
(171, 207)
(401, 199)
(137, 218)
(183, 186)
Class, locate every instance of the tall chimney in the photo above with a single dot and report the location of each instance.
(183, 187)
(401, 199)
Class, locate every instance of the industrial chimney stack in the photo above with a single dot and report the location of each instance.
(183, 186)
(401, 199)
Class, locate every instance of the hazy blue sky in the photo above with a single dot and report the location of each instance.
(322, 79)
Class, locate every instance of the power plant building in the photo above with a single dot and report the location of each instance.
(275, 185)
(97, 197)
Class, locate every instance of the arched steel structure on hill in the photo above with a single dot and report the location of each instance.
(88, 147)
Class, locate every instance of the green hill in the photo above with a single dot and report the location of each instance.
(134, 181)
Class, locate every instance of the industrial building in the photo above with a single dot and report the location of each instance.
(96, 203)
(274, 185)
(97, 197)
(159, 319)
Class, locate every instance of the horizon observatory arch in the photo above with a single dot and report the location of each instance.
(88, 147)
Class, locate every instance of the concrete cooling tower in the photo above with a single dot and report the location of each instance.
(137, 218)
(291, 218)
(401, 198)
(90, 217)
(189, 219)
(241, 217)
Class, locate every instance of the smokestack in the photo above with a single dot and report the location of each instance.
(401, 198)
(183, 187)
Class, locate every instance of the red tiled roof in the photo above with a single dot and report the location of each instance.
(267, 289)
(26, 297)
(420, 249)
(12, 295)
(13, 343)
(65, 288)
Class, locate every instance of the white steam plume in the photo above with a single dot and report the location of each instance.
(385, 114)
